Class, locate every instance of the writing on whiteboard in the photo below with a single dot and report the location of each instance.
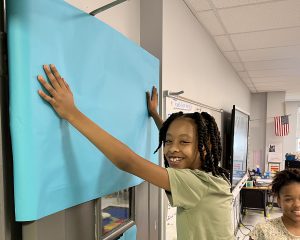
(182, 106)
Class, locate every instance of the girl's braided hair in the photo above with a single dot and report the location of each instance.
(209, 141)
(284, 178)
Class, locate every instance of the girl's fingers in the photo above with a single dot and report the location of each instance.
(46, 97)
(57, 75)
(51, 77)
(66, 85)
(148, 96)
(46, 85)
(154, 93)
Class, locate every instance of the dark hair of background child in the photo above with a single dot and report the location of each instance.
(284, 178)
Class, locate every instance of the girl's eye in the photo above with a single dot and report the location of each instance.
(185, 142)
(168, 141)
(287, 200)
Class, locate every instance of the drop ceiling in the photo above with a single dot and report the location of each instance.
(260, 39)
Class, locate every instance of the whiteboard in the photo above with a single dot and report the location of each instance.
(177, 104)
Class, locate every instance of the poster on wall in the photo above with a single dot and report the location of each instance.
(275, 152)
(273, 167)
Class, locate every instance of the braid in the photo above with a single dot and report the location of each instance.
(214, 154)
(202, 138)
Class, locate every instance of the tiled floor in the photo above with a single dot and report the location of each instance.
(253, 217)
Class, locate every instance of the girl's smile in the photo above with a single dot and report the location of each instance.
(181, 144)
(289, 201)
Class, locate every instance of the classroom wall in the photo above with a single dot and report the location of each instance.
(257, 130)
(264, 106)
(275, 107)
(291, 109)
(125, 18)
(193, 63)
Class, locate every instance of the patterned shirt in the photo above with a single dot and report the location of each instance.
(273, 229)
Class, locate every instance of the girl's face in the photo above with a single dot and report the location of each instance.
(289, 201)
(181, 145)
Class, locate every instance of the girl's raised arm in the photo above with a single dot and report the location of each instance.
(61, 99)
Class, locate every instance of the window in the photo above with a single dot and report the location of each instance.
(114, 214)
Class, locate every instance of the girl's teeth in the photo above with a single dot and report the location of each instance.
(297, 213)
(174, 159)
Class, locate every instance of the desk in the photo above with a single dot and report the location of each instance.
(255, 198)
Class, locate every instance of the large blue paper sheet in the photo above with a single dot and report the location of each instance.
(130, 234)
(55, 167)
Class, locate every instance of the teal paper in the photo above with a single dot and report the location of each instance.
(55, 167)
(130, 234)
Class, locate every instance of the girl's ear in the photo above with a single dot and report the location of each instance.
(278, 201)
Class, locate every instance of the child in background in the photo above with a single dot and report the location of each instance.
(286, 186)
(195, 183)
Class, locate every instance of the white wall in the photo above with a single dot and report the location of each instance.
(264, 107)
(291, 109)
(192, 62)
(125, 18)
(257, 130)
(275, 107)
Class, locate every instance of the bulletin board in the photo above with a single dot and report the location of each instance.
(55, 167)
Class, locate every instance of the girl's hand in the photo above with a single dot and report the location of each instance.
(60, 96)
(152, 102)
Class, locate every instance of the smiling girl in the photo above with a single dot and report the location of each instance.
(286, 186)
(194, 182)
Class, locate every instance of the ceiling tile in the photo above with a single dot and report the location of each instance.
(270, 53)
(210, 22)
(224, 43)
(271, 15)
(233, 3)
(238, 66)
(232, 56)
(264, 39)
(198, 5)
(275, 72)
(272, 64)
(275, 80)
(243, 75)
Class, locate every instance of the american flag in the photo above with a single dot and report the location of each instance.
(281, 125)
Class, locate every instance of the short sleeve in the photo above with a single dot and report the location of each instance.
(257, 233)
(187, 188)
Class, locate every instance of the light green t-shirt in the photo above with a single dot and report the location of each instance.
(204, 205)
